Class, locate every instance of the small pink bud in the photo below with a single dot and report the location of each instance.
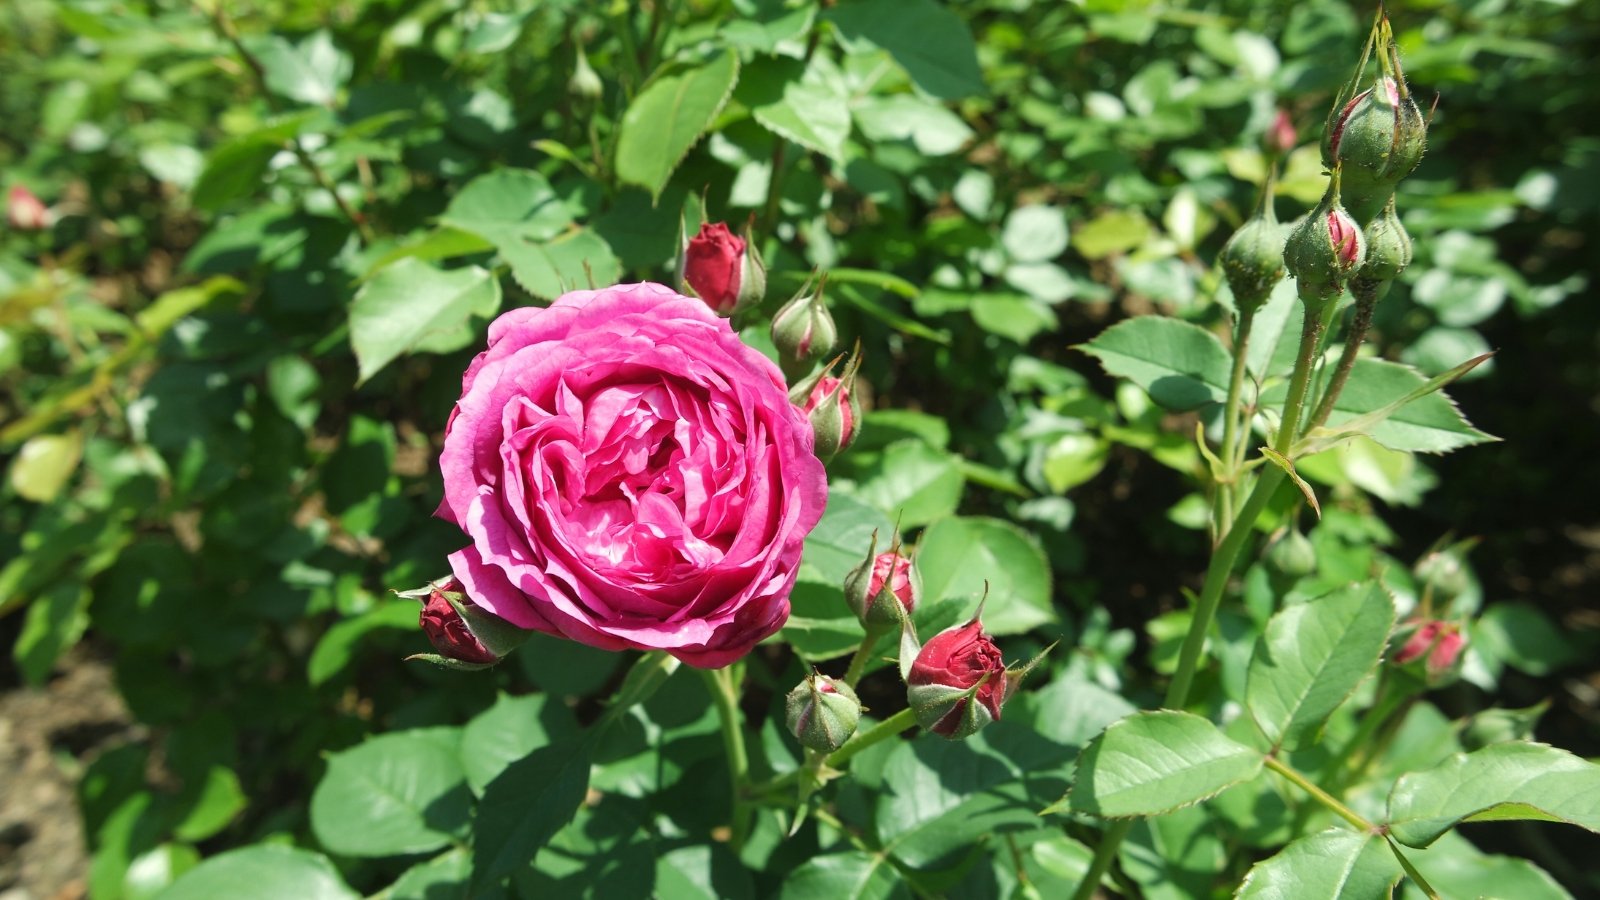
(26, 212)
(1446, 652)
(1438, 644)
(1344, 235)
(833, 415)
(956, 661)
(448, 632)
(1281, 136)
(895, 570)
(722, 269)
(1419, 642)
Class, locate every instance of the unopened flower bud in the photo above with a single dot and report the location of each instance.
(1444, 573)
(1281, 136)
(958, 682)
(26, 212)
(804, 332)
(1325, 248)
(883, 589)
(1378, 137)
(1388, 246)
(723, 269)
(1438, 644)
(831, 405)
(822, 713)
(585, 83)
(465, 635)
(1292, 556)
(1252, 260)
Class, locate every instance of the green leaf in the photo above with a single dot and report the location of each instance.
(839, 542)
(1177, 856)
(236, 167)
(1513, 780)
(1154, 762)
(508, 731)
(708, 871)
(402, 792)
(442, 878)
(805, 103)
(508, 204)
(852, 875)
(1337, 864)
(930, 127)
(339, 643)
(310, 72)
(1182, 366)
(1035, 233)
(914, 483)
(412, 305)
(576, 260)
(940, 796)
(927, 38)
(957, 556)
(218, 798)
(266, 872)
(1013, 316)
(668, 117)
(525, 805)
(1312, 656)
(1398, 407)
(44, 464)
(55, 621)
(1116, 231)
(1456, 868)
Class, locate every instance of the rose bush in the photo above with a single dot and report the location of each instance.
(631, 475)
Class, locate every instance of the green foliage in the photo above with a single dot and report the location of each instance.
(275, 240)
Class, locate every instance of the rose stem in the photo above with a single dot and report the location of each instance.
(858, 662)
(877, 734)
(1366, 300)
(724, 687)
(1222, 561)
(1349, 815)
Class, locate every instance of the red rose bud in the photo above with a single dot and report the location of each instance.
(26, 212)
(804, 332)
(722, 269)
(822, 713)
(958, 682)
(1281, 136)
(1438, 644)
(465, 636)
(832, 407)
(884, 589)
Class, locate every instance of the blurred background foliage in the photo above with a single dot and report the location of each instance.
(218, 461)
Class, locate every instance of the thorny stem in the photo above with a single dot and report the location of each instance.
(1366, 293)
(724, 687)
(225, 27)
(879, 733)
(1221, 566)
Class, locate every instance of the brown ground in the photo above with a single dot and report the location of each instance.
(46, 735)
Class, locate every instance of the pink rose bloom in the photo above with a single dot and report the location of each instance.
(631, 476)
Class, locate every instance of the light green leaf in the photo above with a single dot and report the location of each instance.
(508, 204)
(927, 38)
(668, 117)
(508, 731)
(266, 872)
(1012, 316)
(1154, 762)
(55, 621)
(957, 556)
(44, 464)
(1035, 233)
(1513, 780)
(1312, 656)
(576, 260)
(1182, 366)
(1337, 864)
(310, 72)
(339, 643)
(1398, 407)
(442, 878)
(930, 127)
(1456, 868)
(1177, 856)
(852, 875)
(914, 483)
(412, 305)
(805, 103)
(702, 872)
(1116, 231)
(402, 792)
